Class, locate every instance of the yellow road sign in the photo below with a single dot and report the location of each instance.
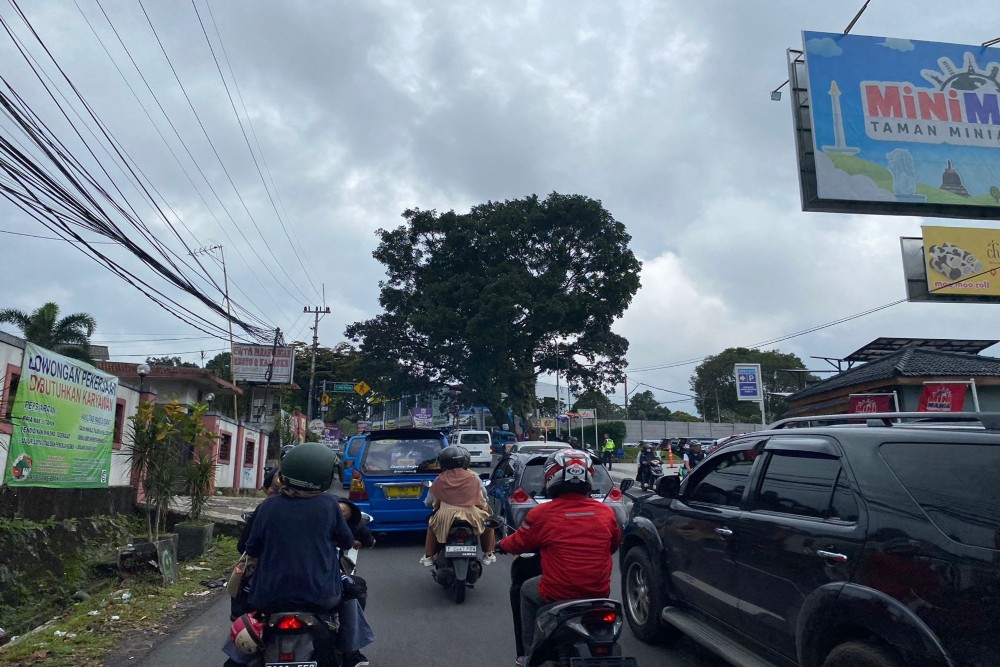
(362, 388)
(325, 399)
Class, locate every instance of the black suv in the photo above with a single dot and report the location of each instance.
(828, 541)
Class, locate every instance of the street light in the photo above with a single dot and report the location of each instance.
(143, 371)
(209, 397)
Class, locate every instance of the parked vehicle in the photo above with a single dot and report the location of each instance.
(828, 541)
(390, 479)
(479, 445)
(517, 484)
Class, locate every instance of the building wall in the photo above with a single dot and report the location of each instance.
(234, 471)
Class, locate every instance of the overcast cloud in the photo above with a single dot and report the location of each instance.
(362, 109)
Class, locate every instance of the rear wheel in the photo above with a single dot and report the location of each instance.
(862, 654)
(643, 598)
(459, 591)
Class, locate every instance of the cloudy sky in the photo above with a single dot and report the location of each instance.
(358, 110)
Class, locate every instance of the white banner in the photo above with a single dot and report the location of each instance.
(251, 363)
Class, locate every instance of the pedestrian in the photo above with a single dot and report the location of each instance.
(608, 451)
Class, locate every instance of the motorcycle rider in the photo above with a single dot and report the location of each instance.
(574, 536)
(295, 537)
(646, 458)
(457, 493)
(693, 457)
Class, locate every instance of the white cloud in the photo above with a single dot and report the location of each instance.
(823, 46)
(897, 44)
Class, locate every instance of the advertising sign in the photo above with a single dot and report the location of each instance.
(64, 423)
(902, 126)
(587, 413)
(868, 403)
(948, 397)
(545, 423)
(252, 363)
(748, 386)
(330, 436)
(422, 417)
(962, 260)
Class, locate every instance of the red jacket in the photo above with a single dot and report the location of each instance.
(575, 536)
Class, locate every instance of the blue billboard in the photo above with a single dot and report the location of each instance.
(901, 126)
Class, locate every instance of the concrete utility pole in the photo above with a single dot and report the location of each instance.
(317, 311)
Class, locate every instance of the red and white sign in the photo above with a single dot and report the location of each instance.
(252, 363)
(862, 403)
(942, 398)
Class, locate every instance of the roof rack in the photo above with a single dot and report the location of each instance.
(989, 420)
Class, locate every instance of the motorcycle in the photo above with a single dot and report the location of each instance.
(459, 564)
(649, 473)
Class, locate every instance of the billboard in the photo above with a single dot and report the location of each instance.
(897, 126)
(748, 387)
(253, 362)
(64, 423)
(962, 260)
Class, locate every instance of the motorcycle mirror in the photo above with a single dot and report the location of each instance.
(245, 516)
(668, 486)
(366, 518)
(626, 484)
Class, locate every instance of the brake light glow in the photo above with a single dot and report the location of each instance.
(290, 623)
(286, 656)
(358, 491)
(520, 496)
(598, 617)
(602, 650)
(615, 495)
(610, 618)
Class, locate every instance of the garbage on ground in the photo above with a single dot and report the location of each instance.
(93, 613)
(192, 568)
(116, 618)
(67, 635)
(126, 596)
(199, 594)
(213, 583)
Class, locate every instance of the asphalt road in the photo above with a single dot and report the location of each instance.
(416, 623)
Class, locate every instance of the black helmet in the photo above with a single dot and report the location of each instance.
(309, 467)
(647, 445)
(454, 457)
(285, 450)
(569, 470)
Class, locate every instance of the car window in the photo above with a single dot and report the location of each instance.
(400, 456)
(475, 439)
(799, 483)
(532, 479)
(721, 481)
(955, 485)
(352, 446)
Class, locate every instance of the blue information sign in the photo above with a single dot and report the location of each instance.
(748, 386)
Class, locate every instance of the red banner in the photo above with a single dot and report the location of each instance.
(877, 403)
(942, 398)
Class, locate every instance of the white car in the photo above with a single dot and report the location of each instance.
(479, 444)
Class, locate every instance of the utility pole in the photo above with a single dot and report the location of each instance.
(558, 393)
(317, 311)
(626, 397)
(208, 250)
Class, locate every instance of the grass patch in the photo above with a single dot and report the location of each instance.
(85, 638)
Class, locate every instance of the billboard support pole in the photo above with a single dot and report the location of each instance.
(763, 419)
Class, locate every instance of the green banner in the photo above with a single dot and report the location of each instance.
(64, 423)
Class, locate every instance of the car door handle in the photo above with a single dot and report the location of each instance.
(725, 532)
(832, 555)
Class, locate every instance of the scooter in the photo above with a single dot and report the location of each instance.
(650, 473)
(459, 564)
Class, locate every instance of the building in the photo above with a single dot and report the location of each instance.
(901, 367)
(239, 448)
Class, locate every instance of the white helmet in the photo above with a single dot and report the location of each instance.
(568, 470)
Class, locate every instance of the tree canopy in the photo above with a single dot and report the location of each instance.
(643, 405)
(480, 299)
(174, 362)
(595, 400)
(69, 335)
(714, 384)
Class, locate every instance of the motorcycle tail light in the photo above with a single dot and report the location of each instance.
(602, 650)
(286, 656)
(358, 491)
(290, 623)
(520, 496)
(597, 618)
(615, 495)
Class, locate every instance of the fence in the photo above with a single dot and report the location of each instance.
(636, 429)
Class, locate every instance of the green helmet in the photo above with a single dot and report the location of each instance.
(309, 467)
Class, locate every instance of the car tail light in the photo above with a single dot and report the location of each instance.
(614, 495)
(358, 491)
(520, 496)
(290, 623)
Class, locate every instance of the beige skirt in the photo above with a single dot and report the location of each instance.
(440, 522)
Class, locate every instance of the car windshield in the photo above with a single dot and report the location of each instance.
(402, 456)
(532, 480)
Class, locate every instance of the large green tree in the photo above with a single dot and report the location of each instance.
(595, 400)
(714, 384)
(480, 299)
(69, 335)
(173, 362)
(643, 405)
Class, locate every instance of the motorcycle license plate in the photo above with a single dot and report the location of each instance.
(459, 550)
(402, 492)
(609, 661)
(290, 664)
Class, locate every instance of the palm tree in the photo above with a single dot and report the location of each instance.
(69, 335)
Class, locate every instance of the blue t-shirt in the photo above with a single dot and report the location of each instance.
(295, 541)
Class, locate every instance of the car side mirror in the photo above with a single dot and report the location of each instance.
(668, 486)
(626, 484)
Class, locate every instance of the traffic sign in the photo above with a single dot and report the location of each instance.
(362, 388)
(748, 387)
(325, 399)
(316, 427)
(343, 387)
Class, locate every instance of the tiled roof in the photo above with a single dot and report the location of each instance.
(128, 370)
(908, 362)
